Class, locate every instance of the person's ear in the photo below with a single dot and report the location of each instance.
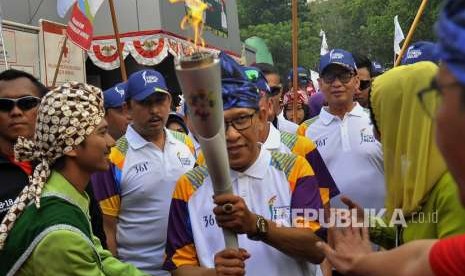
(320, 82)
(357, 82)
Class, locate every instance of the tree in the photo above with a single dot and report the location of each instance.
(359, 26)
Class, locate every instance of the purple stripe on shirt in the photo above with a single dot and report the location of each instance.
(325, 180)
(179, 231)
(104, 184)
(306, 194)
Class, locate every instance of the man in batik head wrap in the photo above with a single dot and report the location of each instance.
(445, 257)
(47, 230)
(267, 186)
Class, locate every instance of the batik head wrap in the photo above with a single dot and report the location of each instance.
(66, 116)
(450, 31)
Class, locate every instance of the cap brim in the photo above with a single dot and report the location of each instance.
(148, 92)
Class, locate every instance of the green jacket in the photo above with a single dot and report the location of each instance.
(59, 245)
(440, 216)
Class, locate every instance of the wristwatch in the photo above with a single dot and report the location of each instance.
(262, 229)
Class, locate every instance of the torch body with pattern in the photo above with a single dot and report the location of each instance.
(199, 76)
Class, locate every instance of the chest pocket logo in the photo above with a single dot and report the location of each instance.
(321, 142)
(185, 161)
(142, 167)
(366, 137)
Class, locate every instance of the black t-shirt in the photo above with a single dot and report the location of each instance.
(12, 181)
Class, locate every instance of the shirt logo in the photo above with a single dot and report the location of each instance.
(142, 167)
(281, 215)
(148, 79)
(321, 142)
(185, 161)
(366, 137)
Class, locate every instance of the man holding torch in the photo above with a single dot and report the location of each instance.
(268, 189)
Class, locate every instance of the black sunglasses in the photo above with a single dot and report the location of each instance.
(275, 90)
(343, 77)
(23, 103)
(364, 84)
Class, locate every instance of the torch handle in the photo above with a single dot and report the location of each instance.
(216, 157)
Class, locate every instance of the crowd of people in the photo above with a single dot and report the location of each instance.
(115, 182)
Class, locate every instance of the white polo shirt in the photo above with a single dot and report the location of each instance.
(352, 154)
(286, 125)
(266, 187)
(139, 194)
(273, 141)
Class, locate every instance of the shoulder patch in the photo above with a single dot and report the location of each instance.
(122, 145)
(181, 137)
(283, 161)
(197, 175)
(310, 121)
(288, 139)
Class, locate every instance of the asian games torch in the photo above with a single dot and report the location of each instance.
(199, 76)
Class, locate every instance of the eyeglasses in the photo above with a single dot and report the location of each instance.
(430, 97)
(364, 84)
(344, 77)
(23, 103)
(240, 123)
(275, 90)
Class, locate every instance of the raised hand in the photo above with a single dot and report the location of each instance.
(349, 246)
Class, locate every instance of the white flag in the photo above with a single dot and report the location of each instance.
(63, 6)
(94, 5)
(324, 45)
(398, 35)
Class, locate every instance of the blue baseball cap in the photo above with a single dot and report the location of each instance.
(115, 96)
(339, 57)
(420, 51)
(377, 68)
(258, 78)
(302, 75)
(144, 83)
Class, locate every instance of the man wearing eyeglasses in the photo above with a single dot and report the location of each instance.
(343, 134)
(365, 74)
(20, 95)
(267, 186)
(276, 115)
(445, 257)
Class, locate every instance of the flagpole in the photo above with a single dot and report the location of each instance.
(57, 68)
(295, 48)
(124, 76)
(411, 32)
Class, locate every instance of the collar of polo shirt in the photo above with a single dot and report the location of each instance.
(327, 117)
(273, 141)
(137, 142)
(258, 169)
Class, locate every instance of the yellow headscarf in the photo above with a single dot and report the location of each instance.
(412, 162)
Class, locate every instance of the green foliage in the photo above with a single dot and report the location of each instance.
(359, 26)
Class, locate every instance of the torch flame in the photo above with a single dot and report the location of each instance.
(194, 17)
